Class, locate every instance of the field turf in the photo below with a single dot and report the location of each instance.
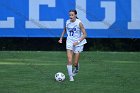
(100, 72)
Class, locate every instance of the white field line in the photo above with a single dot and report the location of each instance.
(22, 63)
(37, 60)
(113, 61)
(26, 60)
(51, 62)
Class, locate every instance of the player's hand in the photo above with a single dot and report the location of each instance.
(60, 41)
(75, 43)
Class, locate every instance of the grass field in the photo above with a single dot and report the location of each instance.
(100, 72)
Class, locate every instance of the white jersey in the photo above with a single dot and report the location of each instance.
(74, 33)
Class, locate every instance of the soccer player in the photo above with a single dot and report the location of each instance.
(76, 35)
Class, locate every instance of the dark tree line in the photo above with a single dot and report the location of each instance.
(51, 44)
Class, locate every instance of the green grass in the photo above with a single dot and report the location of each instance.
(100, 72)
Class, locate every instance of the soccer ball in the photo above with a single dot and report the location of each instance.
(59, 77)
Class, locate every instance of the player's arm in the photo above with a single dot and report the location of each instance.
(62, 35)
(84, 34)
(83, 31)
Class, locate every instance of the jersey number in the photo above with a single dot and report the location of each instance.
(71, 33)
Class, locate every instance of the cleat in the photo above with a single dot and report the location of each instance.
(75, 71)
(71, 78)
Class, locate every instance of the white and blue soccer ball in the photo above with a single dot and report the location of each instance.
(59, 77)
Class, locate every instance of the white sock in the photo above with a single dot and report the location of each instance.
(69, 68)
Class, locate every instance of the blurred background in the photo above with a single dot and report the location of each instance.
(51, 44)
(37, 25)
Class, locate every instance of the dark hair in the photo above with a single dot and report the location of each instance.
(75, 12)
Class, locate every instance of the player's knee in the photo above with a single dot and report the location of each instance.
(69, 61)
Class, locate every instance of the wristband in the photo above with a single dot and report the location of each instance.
(78, 41)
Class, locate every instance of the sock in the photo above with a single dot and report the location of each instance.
(69, 68)
(76, 67)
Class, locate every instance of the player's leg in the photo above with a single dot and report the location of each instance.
(69, 64)
(77, 52)
(76, 60)
(76, 63)
(69, 56)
